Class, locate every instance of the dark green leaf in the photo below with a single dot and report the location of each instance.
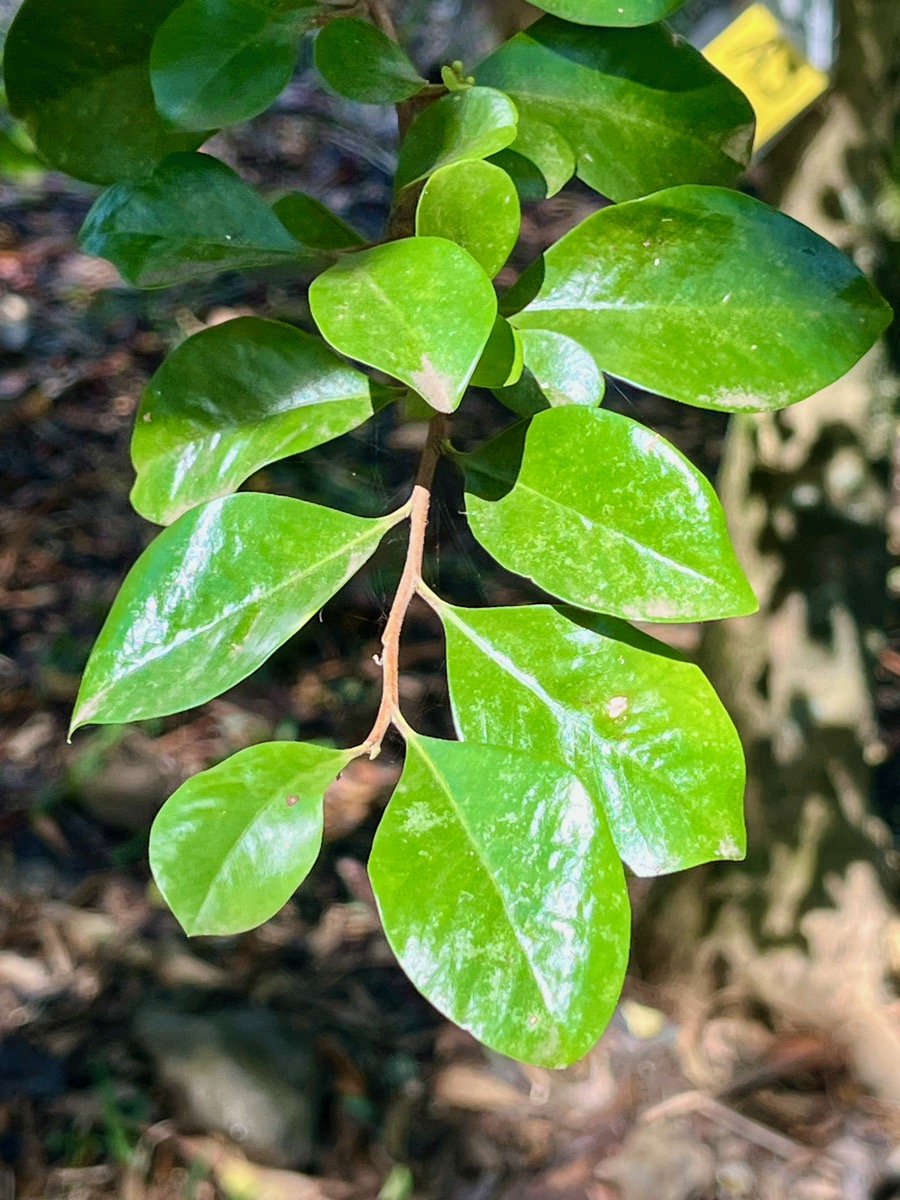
(232, 399)
(234, 843)
(556, 371)
(472, 123)
(571, 522)
(644, 731)
(709, 297)
(500, 364)
(193, 216)
(217, 62)
(77, 72)
(313, 224)
(474, 204)
(611, 12)
(635, 109)
(420, 309)
(363, 64)
(503, 898)
(212, 597)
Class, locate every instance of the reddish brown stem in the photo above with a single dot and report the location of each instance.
(407, 587)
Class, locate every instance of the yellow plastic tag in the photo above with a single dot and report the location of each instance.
(754, 53)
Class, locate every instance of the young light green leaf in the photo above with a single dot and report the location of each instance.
(232, 399)
(611, 12)
(500, 364)
(212, 597)
(775, 313)
(569, 521)
(638, 108)
(488, 228)
(473, 123)
(234, 843)
(556, 371)
(362, 63)
(77, 72)
(313, 224)
(217, 62)
(644, 731)
(503, 897)
(192, 216)
(420, 309)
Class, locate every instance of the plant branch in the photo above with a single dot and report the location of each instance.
(410, 581)
(380, 12)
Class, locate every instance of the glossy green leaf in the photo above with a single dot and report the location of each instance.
(192, 216)
(709, 297)
(212, 597)
(556, 371)
(420, 309)
(503, 897)
(476, 205)
(313, 224)
(611, 12)
(570, 521)
(234, 843)
(643, 730)
(77, 72)
(217, 62)
(500, 364)
(638, 109)
(362, 63)
(232, 399)
(470, 124)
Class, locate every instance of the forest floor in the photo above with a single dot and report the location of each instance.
(295, 1062)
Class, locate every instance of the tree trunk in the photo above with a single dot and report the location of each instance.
(806, 925)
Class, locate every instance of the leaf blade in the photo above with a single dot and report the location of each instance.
(360, 62)
(232, 399)
(372, 307)
(667, 559)
(230, 847)
(78, 73)
(482, 951)
(219, 62)
(642, 729)
(776, 314)
(191, 216)
(467, 125)
(239, 559)
(638, 108)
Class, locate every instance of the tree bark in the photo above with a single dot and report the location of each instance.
(806, 925)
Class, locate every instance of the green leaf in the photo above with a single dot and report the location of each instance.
(556, 371)
(313, 224)
(217, 62)
(420, 309)
(611, 12)
(503, 898)
(709, 297)
(212, 597)
(500, 364)
(643, 730)
(232, 399)
(77, 72)
(474, 204)
(234, 843)
(638, 109)
(192, 216)
(470, 124)
(571, 523)
(362, 63)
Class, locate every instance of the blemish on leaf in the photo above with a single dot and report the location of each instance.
(436, 387)
(617, 706)
(292, 800)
